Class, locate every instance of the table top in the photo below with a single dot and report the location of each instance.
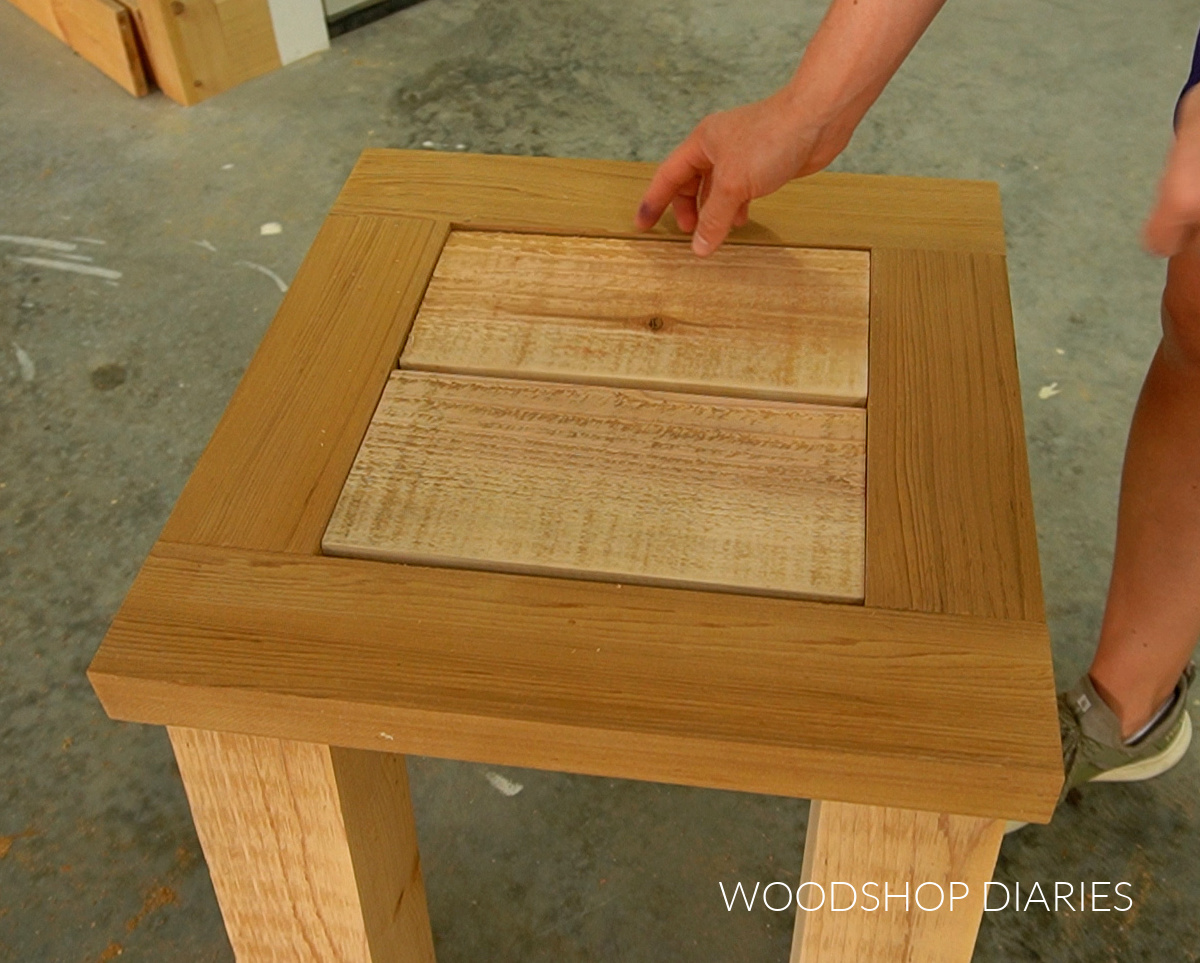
(934, 692)
(619, 409)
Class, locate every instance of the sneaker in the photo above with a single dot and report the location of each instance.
(1093, 750)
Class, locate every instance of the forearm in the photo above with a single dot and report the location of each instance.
(734, 156)
(859, 45)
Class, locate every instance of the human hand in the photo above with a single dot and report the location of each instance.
(733, 157)
(737, 155)
(1175, 219)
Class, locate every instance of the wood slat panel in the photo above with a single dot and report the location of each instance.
(765, 322)
(596, 197)
(271, 474)
(941, 713)
(950, 523)
(597, 482)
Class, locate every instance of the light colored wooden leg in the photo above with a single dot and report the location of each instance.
(860, 844)
(312, 849)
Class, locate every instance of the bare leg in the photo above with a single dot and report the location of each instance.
(1152, 619)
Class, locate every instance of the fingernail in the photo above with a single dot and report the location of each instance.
(700, 244)
(643, 213)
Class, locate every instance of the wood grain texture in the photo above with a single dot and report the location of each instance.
(757, 322)
(164, 48)
(904, 849)
(42, 13)
(271, 474)
(594, 482)
(597, 197)
(141, 39)
(199, 48)
(768, 695)
(950, 523)
(381, 833)
(312, 850)
(100, 31)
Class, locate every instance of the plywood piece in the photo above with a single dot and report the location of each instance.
(767, 695)
(950, 524)
(311, 849)
(101, 31)
(905, 850)
(273, 469)
(599, 197)
(766, 322)
(597, 482)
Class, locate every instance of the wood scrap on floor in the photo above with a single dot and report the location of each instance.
(192, 49)
(102, 32)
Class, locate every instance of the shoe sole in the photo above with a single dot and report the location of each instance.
(1155, 765)
(1137, 771)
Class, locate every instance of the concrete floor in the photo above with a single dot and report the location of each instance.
(116, 387)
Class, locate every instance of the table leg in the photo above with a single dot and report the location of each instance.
(312, 849)
(858, 844)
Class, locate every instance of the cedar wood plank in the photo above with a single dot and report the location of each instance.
(100, 31)
(271, 474)
(267, 816)
(757, 322)
(588, 481)
(202, 47)
(894, 846)
(597, 197)
(311, 848)
(728, 691)
(42, 13)
(950, 523)
(377, 814)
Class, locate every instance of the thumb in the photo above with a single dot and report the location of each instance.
(716, 219)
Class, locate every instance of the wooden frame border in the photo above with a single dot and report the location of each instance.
(237, 623)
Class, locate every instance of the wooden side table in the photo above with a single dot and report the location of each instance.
(909, 694)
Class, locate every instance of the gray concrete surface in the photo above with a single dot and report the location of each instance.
(116, 387)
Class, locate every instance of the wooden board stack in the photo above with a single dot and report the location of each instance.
(102, 32)
(193, 49)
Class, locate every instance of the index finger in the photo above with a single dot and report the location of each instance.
(685, 164)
